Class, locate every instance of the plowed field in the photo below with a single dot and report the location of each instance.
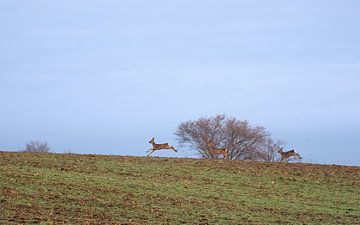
(94, 189)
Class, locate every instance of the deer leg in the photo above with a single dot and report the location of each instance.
(225, 156)
(151, 152)
(172, 147)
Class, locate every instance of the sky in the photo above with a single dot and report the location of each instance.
(105, 76)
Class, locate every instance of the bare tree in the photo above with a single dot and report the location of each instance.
(243, 141)
(37, 147)
(271, 149)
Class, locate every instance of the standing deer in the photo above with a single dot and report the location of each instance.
(288, 154)
(217, 151)
(159, 147)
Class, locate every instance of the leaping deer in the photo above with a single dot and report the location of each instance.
(217, 151)
(288, 154)
(159, 147)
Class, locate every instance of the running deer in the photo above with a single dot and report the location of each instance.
(159, 147)
(288, 154)
(217, 151)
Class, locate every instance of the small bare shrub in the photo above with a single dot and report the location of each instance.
(37, 147)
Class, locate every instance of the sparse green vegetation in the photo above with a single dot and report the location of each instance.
(94, 189)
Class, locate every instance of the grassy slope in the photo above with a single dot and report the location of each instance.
(80, 189)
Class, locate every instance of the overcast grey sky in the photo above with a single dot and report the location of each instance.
(106, 76)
